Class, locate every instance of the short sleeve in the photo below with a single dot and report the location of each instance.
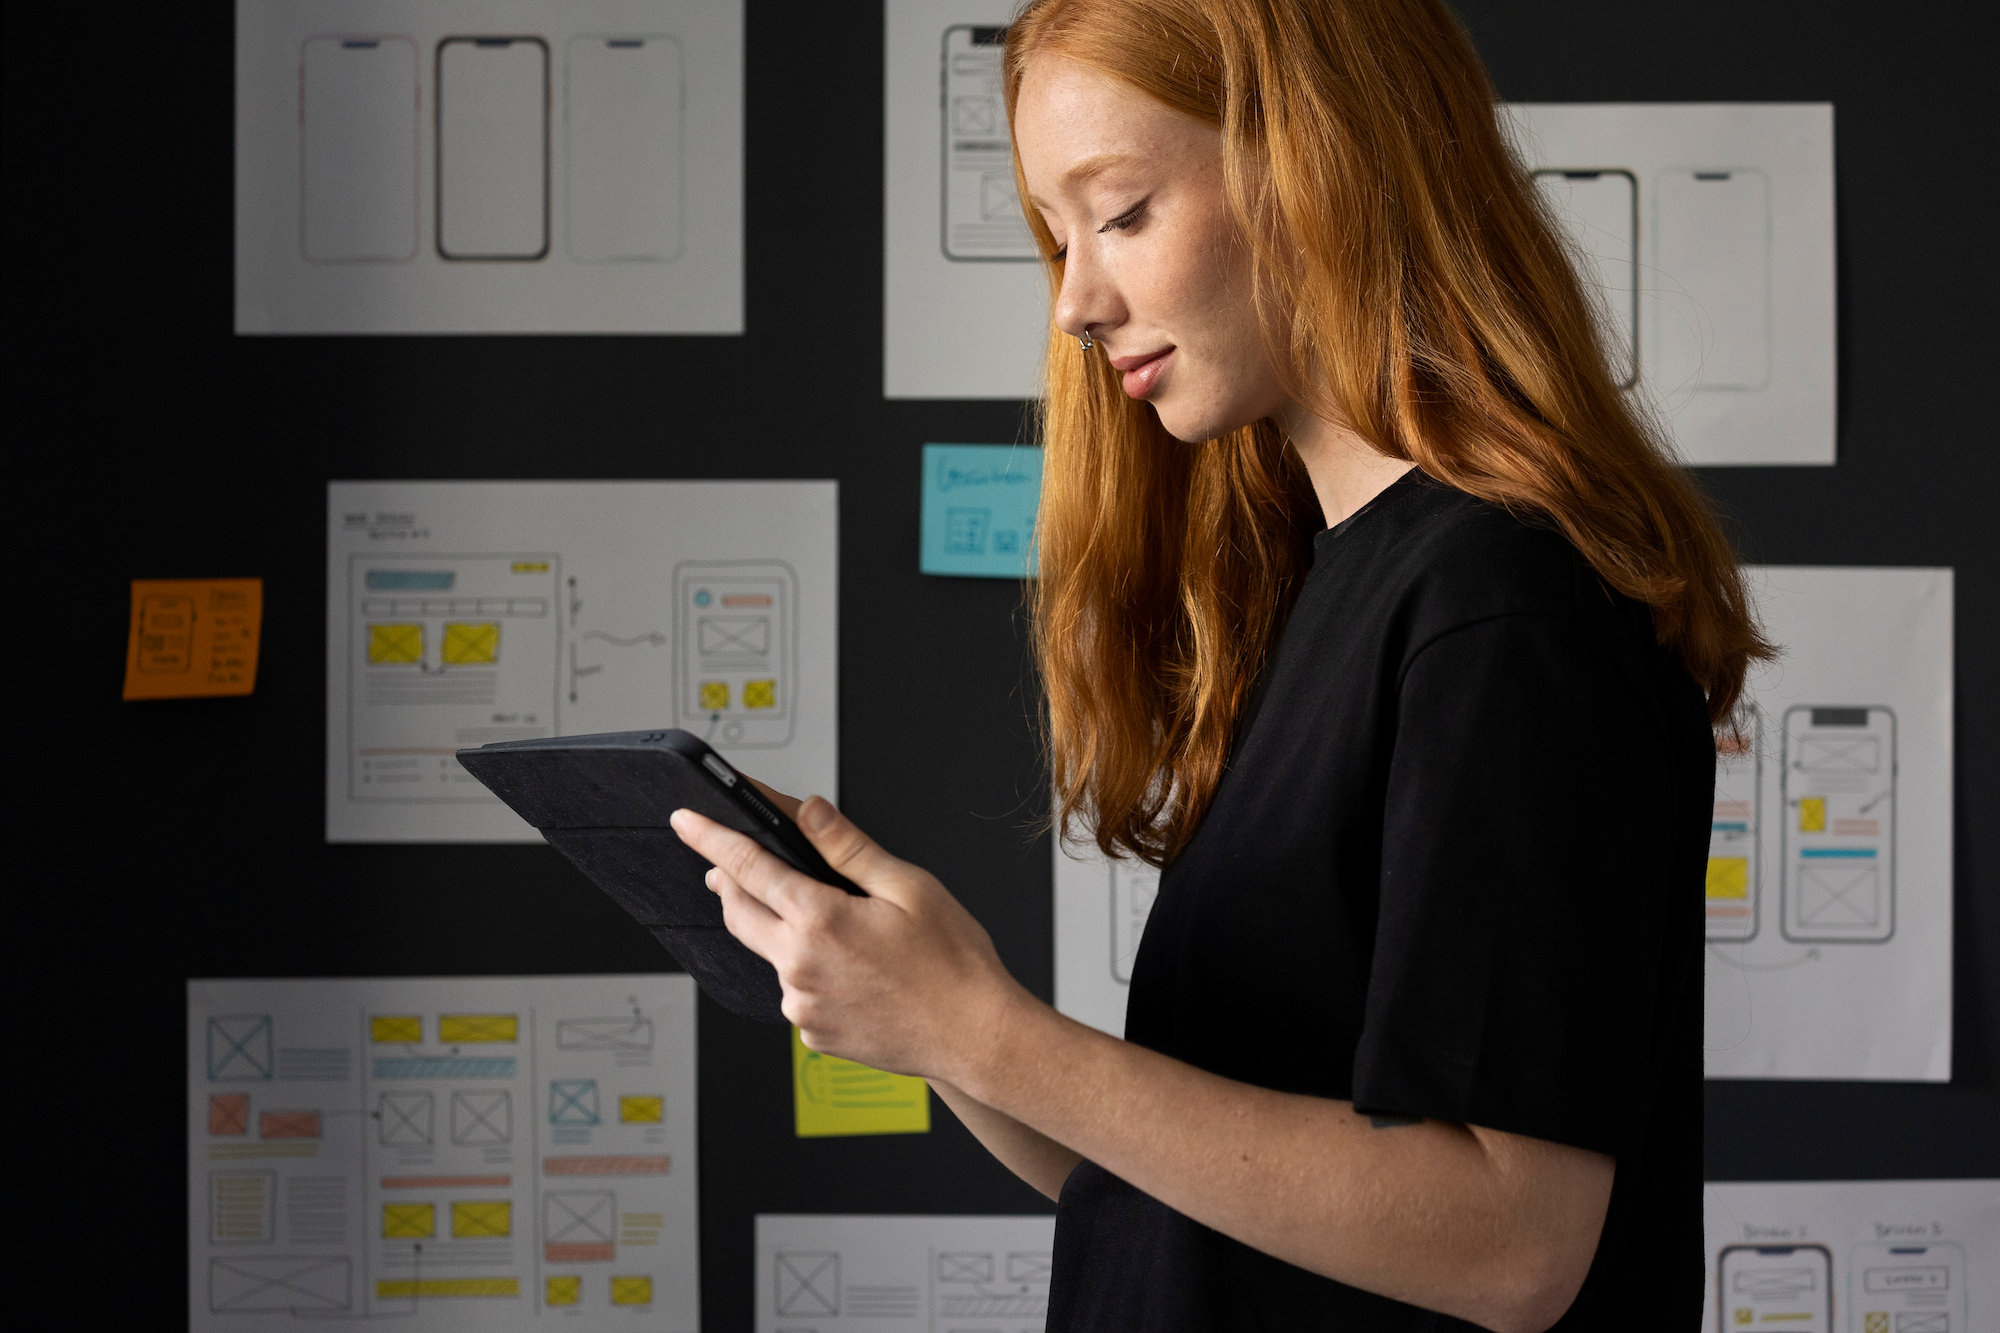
(1526, 891)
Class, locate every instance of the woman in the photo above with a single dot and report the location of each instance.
(1413, 1038)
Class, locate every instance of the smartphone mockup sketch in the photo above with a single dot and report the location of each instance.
(1134, 886)
(1774, 1286)
(1731, 893)
(622, 106)
(492, 108)
(358, 101)
(1600, 210)
(736, 651)
(605, 802)
(1712, 239)
(1839, 824)
(1907, 1289)
(981, 212)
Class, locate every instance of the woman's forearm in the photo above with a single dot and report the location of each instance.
(1495, 1228)
(1034, 1157)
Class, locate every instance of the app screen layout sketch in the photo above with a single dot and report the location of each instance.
(1887, 1256)
(1704, 234)
(462, 614)
(1828, 889)
(449, 169)
(880, 1274)
(433, 1152)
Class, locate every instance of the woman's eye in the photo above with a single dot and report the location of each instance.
(1126, 220)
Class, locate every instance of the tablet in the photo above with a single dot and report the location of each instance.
(604, 801)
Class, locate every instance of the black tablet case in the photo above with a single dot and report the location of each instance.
(603, 802)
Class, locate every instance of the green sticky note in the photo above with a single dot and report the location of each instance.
(834, 1096)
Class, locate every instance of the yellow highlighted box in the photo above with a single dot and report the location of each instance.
(631, 1291)
(831, 1096)
(395, 1027)
(471, 644)
(459, 1029)
(531, 566)
(389, 645)
(715, 694)
(409, 1221)
(392, 1289)
(483, 1218)
(1812, 814)
(565, 1291)
(1875, 1321)
(642, 1110)
(1729, 877)
(760, 694)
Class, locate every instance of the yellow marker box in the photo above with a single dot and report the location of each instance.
(565, 1291)
(1812, 814)
(396, 1027)
(1729, 877)
(642, 1110)
(831, 1096)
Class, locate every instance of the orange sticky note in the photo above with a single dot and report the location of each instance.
(193, 637)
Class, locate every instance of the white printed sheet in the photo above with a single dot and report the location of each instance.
(903, 1274)
(472, 1152)
(463, 613)
(473, 166)
(1885, 1256)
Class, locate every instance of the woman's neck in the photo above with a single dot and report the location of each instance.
(1347, 471)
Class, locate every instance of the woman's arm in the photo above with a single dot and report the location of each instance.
(1494, 1228)
(1034, 1157)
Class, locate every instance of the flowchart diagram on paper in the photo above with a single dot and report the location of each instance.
(1882, 1256)
(480, 1151)
(464, 613)
(903, 1274)
(465, 166)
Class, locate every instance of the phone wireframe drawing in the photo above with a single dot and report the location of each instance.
(981, 212)
(1786, 1286)
(736, 652)
(1600, 209)
(358, 100)
(1907, 1289)
(1731, 894)
(622, 118)
(492, 107)
(1134, 886)
(1712, 239)
(1839, 824)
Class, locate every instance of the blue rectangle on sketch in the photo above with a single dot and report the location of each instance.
(979, 509)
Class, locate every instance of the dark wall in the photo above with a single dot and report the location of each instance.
(185, 839)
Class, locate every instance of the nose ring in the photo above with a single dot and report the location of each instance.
(1084, 342)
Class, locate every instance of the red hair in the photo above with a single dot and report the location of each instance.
(1414, 288)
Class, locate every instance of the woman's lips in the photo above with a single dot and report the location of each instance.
(1142, 371)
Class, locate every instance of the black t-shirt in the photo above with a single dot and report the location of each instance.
(1454, 870)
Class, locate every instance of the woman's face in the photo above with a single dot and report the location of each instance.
(1156, 270)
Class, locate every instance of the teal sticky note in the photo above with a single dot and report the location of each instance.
(979, 509)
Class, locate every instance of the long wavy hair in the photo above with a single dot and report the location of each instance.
(1412, 286)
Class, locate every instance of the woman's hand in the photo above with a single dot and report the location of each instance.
(903, 980)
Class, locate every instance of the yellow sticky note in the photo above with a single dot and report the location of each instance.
(409, 1221)
(395, 1027)
(1729, 877)
(486, 1217)
(476, 643)
(715, 694)
(1812, 814)
(642, 1110)
(458, 1029)
(565, 1290)
(834, 1096)
(631, 1291)
(193, 638)
(760, 694)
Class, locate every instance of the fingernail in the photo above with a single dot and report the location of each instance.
(708, 879)
(677, 818)
(816, 813)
